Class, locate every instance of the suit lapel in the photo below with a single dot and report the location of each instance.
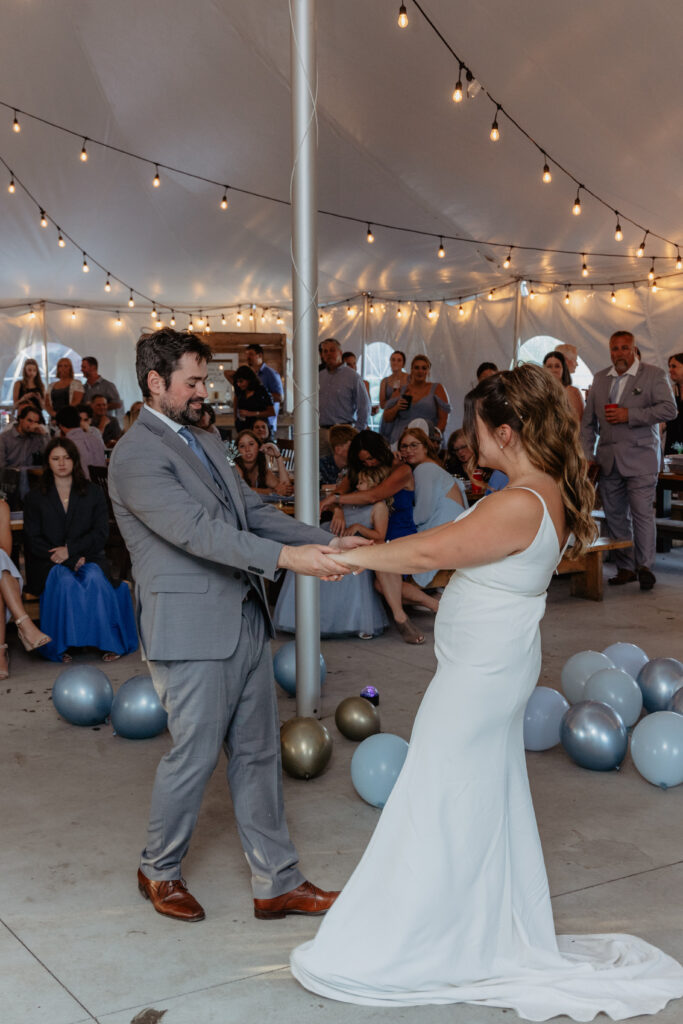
(227, 475)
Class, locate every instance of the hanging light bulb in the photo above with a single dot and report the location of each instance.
(158, 323)
(73, 314)
(576, 208)
(190, 325)
(239, 317)
(118, 319)
(107, 284)
(618, 233)
(224, 200)
(490, 294)
(402, 16)
(461, 311)
(60, 241)
(494, 134)
(457, 91)
(172, 320)
(85, 268)
(651, 272)
(131, 300)
(154, 312)
(321, 318)
(567, 299)
(251, 314)
(279, 319)
(372, 306)
(223, 320)
(508, 259)
(532, 293)
(43, 219)
(640, 252)
(200, 319)
(653, 286)
(263, 316)
(207, 329)
(613, 297)
(84, 152)
(15, 123)
(430, 313)
(349, 311)
(679, 261)
(584, 268)
(156, 180)
(370, 237)
(31, 313)
(399, 311)
(11, 188)
(546, 177)
(442, 252)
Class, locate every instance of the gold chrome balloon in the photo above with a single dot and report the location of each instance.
(306, 747)
(356, 718)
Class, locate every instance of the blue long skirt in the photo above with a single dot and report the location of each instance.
(83, 609)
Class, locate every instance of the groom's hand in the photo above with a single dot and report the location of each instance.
(313, 560)
(346, 543)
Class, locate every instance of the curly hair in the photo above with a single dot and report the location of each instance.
(375, 445)
(534, 405)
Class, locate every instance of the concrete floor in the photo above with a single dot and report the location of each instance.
(78, 943)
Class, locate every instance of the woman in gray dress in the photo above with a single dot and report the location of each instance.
(419, 399)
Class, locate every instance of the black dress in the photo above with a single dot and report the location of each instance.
(257, 402)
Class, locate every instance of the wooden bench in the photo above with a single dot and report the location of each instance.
(668, 530)
(586, 570)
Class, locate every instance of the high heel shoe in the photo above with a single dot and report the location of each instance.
(5, 674)
(28, 645)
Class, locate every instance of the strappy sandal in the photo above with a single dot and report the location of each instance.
(409, 633)
(5, 674)
(28, 645)
(110, 656)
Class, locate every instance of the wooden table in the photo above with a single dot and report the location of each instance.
(586, 570)
(666, 483)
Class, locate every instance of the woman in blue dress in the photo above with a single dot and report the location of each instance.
(419, 399)
(66, 524)
(367, 451)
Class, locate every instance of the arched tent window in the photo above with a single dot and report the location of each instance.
(535, 349)
(375, 368)
(36, 350)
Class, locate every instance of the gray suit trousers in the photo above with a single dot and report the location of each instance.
(628, 502)
(229, 704)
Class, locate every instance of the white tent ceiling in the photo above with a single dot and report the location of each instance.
(204, 87)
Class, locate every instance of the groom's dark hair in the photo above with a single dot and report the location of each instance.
(162, 350)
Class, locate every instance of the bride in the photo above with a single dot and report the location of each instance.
(450, 902)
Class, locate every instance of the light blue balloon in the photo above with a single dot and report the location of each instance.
(627, 656)
(657, 748)
(542, 718)
(375, 766)
(82, 694)
(137, 712)
(577, 671)
(617, 688)
(594, 736)
(284, 668)
(659, 680)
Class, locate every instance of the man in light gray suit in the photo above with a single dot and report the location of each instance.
(624, 406)
(201, 543)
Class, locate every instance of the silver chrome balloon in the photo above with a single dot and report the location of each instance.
(306, 747)
(594, 736)
(82, 694)
(356, 718)
(137, 713)
(659, 680)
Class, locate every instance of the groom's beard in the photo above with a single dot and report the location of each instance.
(189, 414)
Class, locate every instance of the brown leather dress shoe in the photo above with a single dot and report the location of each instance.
(170, 898)
(622, 576)
(305, 899)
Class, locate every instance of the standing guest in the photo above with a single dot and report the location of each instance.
(439, 499)
(30, 388)
(66, 390)
(342, 396)
(268, 377)
(131, 416)
(333, 467)
(396, 380)
(556, 364)
(201, 543)
(260, 468)
(66, 524)
(11, 605)
(674, 428)
(624, 407)
(252, 400)
(74, 423)
(421, 398)
(207, 420)
(108, 426)
(96, 385)
(571, 356)
(485, 370)
(24, 442)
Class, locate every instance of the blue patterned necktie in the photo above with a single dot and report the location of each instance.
(194, 444)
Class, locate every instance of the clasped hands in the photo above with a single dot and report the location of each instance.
(320, 560)
(60, 554)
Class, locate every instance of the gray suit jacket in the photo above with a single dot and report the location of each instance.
(632, 447)
(191, 544)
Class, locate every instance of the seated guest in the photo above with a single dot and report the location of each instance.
(10, 597)
(96, 385)
(485, 370)
(458, 454)
(350, 606)
(439, 499)
(674, 428)
(556, 364)
(421, 398)
(74, 423)
(66, 390)
(108, 426)
(131, 416)
(261, 427)
(30, 389)
(207, 420)
(260, 467)
(24, 442)
(333, 467)
(252, 400)
(66, 523)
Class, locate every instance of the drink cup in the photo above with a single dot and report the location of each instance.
(611, 405)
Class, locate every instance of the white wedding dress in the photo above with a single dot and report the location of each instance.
(450, 902)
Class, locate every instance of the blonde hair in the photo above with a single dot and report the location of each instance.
(374, 475)
(534, 404)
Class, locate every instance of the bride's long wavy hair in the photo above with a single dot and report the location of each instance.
(534, 404)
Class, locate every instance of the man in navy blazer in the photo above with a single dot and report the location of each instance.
(624, 408)
(201, 543)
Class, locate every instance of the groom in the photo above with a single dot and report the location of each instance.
(201, 542)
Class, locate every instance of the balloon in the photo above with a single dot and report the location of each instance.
(659, 680)
(578, 670)
(306, 747)
(627, 656)
(676, 702)
(370, 693)
(657, 748)
(542, 718)
(137, 713)
(594, 736)
(356, 718)
(617, 688)
(284, 667)
(375, 766)
(82, 694)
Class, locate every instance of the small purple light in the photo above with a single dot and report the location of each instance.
(370, 693)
